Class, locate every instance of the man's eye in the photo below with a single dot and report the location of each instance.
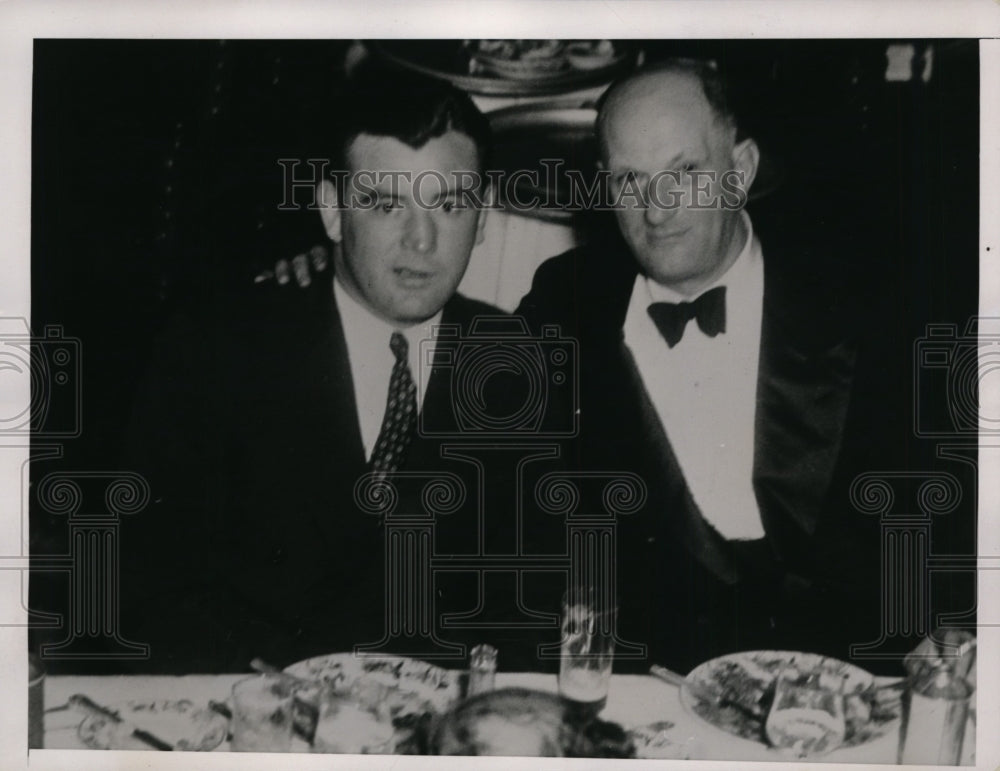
(389, 206)
(630, 179)
(448, 207)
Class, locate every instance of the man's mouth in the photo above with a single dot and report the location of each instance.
(413, 279)
(660, 236)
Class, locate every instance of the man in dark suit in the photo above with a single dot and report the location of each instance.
(718, 364)
(260, 429)
(718, 361)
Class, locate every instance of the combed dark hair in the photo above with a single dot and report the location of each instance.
(705, 71)
(409, 107)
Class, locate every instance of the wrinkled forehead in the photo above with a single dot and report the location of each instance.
(658, 113)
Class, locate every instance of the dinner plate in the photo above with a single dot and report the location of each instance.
(522, 69)
(734, 693)
(406, 686)
(176, 721)
(450, 60)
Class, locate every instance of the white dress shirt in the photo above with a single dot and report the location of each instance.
(705, 390)
(372, 360)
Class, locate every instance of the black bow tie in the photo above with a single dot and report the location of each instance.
(709, 309)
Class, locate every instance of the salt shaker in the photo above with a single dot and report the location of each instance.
(935, 709)
(482, 669)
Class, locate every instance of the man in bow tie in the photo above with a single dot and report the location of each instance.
(719, 366)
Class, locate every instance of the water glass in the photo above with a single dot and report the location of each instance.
(348, 725)
(587, 652)
(806, 718)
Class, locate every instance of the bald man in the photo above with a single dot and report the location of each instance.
(718, 364)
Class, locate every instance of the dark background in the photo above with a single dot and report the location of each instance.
(155, 184)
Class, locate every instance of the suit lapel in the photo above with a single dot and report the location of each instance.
(683, 519)
(674, 514)
(803, 388)
(339, 456)
(803, 391)
(438, 407)
(338, 385)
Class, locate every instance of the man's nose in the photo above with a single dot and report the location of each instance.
(664, 196)
(657, 213)
(421, 233)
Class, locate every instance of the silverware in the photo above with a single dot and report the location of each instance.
(83, 704)
(259, 665)
(699, 691)
(667, 675)
(678, 680)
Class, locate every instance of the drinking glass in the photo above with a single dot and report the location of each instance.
(347, 724)
(587, 652)
(806, 718)
(262, 714)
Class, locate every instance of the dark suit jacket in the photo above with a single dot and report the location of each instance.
(683, 589)
(254, 545)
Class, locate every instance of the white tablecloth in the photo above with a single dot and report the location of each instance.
(633, 700)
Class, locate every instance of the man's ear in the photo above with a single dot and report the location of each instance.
(746, 158)
(488, 201)
(329, 210)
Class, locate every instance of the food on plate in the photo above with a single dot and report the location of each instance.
(177, 722)
(517, 59)
(590, 54)
(398, 685)
(735, 693)
(518, 50)
(661, 740)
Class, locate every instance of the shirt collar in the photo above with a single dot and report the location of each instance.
(361, 325)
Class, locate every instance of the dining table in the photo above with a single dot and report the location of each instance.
(633, 701)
